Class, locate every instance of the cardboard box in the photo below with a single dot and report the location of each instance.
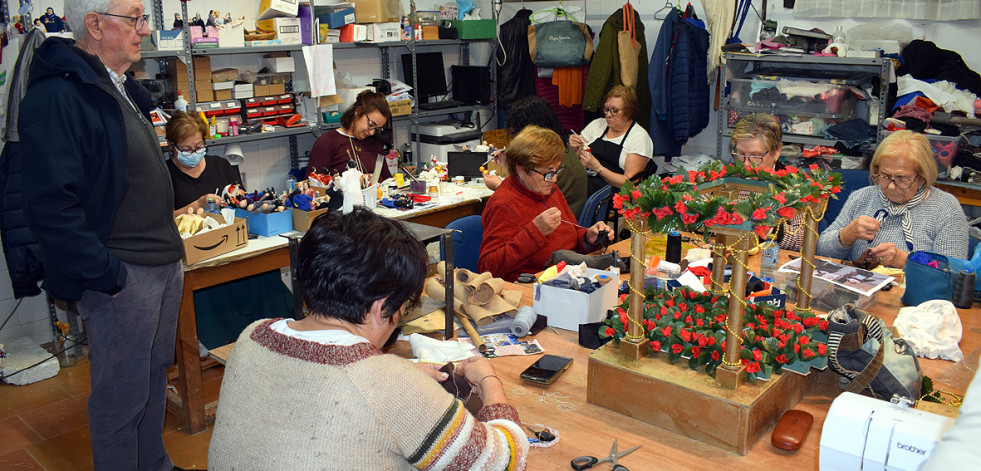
(217, 242)
(267, 225)
(307, 19)
(276, 89)
(475, 29)
(566, 308)
(204, 94)
(223, 85)
(382, 32)
(400, 108)
(277, 8)
(302, 219)
(353, 33)
(430, 32)
(224, 75)
(168, 40)
(287, 30)
(231, 36)
(202, 63)
(336, 19)
(278, 64)
(223, 94)
(377, 11)
(261, 90)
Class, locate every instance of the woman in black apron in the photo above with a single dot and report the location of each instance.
(602, 155)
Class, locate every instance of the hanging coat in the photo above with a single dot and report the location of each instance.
(604, 70)
(516, 76)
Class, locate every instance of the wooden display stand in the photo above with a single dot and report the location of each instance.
(723, 412)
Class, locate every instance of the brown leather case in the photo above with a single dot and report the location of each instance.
(792, 429)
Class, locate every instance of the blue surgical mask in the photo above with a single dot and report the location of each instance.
(191, 159)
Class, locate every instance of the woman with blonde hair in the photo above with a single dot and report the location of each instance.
(527, 219)
(901, 212)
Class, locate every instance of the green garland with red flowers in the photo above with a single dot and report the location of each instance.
(686, 324)
(674, 203)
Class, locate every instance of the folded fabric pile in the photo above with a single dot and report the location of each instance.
(479, 296)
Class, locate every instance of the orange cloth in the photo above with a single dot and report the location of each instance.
(569, 81)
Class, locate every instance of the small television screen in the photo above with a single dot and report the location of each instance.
(430, 72)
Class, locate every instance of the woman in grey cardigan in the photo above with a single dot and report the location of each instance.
(900, 212)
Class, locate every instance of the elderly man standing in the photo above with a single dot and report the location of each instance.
(102, 212)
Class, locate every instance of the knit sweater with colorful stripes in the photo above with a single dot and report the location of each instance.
(288, 403)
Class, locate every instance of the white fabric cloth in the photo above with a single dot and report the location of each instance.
(637, 142)
(718, 14)
(939, 10)
(945, 94)
(933, 329)
(429, 350)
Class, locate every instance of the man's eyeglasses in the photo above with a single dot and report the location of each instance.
(373, 126)
(138, 21)
(548, 176)
(610, 111)
(902, 183)
(754, 159)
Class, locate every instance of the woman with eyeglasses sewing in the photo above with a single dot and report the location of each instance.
(194, 175)
(527, 219)
(614, 148)
(756, 141)
(901, 212)
(357, 141)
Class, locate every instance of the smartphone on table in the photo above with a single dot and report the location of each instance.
(546, 369)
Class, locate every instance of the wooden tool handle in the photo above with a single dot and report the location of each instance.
(474, 336)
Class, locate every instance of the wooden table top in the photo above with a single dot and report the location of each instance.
(586, 429)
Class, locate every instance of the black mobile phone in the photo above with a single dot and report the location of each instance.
(546, 369)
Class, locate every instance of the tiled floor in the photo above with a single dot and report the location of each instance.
(44, 426)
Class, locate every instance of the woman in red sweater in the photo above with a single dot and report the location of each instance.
(527, 218)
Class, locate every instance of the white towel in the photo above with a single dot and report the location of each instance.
(933, 329)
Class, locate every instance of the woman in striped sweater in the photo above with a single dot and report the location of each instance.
(319, 394)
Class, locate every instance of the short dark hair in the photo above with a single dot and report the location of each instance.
(532, 110)
(349, 261)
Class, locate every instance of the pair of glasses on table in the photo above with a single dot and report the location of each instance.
(586, 462)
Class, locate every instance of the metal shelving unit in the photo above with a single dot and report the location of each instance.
(832, 69)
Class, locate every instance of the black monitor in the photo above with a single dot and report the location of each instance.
(430, 72)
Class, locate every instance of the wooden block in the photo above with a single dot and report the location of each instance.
(689, 402)
(634, 350)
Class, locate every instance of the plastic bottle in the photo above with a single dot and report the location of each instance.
(291, 182)
(212, 206)
(770, 258)
(180, 104)
(838, 36)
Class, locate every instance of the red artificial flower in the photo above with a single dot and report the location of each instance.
(689, 218)
(618, 201)
(686, 197)
(721, 318)
(722, 172)
(813, 167)
(760, 213)
(781, 358)
(822, 349)
(683, 307)
(722, 345)
(736, 218)
(798, 328)
(635, 194)
(656, 346)
(713, 175)
(661, 213)
(775, 333)
(811, 321)
(750, 326)
(703, 341)
(666, 331)
(796, 348)
(677, 348)
(808, 353)
(711, 342)
(714, 299)
(715, 355)
(757, 355)
(836, 189)
(669, 303)
(630, 213)
(753, 367)
(692, 175)
(663, 311)
(623, 297)
(621, 312)
(688, 320)
(792, 316)
(699, 322)
(677, 315)
(790, 169)
(609, 332)
(761, 230)
(692, 295)
(675, 179)
(781, 344)
(804, 340)
(685, 335)
(787, 212)
(778, 313)
(695, 351)
(823, 325)
(780, 198)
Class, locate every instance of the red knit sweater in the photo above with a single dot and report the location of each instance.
(512, 244)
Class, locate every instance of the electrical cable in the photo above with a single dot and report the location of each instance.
(53, 355)
(12, 311)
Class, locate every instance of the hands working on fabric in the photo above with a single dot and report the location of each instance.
(865, 228)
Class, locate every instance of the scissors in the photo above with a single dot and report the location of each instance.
(586, 462)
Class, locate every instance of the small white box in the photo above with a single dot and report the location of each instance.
(382, 32)
(243, 88)
(566, 308)
(223, 85)
(168, 40)
(279, 64)
(231, 36)
(276, 8)
(288, 30)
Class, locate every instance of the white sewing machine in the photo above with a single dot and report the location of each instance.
(870, 434)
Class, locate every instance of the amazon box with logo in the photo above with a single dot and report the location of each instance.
(216, 242)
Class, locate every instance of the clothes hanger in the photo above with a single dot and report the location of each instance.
(666, 8)
(557, 11)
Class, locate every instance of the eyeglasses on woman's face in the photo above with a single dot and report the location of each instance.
(753, 159)
(611, 111)
(549, 176)
(901, 182)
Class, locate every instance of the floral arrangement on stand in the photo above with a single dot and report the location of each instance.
(675, 203)
(686, 324)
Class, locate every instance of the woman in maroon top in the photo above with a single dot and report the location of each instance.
(527, 218)
(356, 140)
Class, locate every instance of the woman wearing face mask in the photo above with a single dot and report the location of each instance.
(195, 176)
(900, 212)
(356, 141)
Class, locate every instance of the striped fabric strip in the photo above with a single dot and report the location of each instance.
(432, 446)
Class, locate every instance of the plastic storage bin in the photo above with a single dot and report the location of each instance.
(786, 96)
(271, 78)
(944, 149)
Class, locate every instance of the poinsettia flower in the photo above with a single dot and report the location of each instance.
(753, 367)
(796, 348)
(808, 354)
(636, 194)
(760, 213)
(618, 201)
(813, 167)
(780, 198)
(656, 345)
(666, 331)
(610, 331)
(689, 218)
(736, 218)
(823, 325)
(757, 355)
(786, 212)
(661, 213)
(804, 340)
(715, 355)
(761, 230)
(822, 349)
(695, 352)
(677, 348)
(781, 358)
(685, 335)
(699, 322)
(798, 328)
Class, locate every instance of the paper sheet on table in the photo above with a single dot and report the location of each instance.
(504, 345)
(320, 69)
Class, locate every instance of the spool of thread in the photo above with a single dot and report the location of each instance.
(523, 321)
(672, 252)
(964, 290)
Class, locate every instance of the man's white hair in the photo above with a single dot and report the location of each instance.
(75, 11)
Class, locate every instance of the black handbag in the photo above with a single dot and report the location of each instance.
(448, 31)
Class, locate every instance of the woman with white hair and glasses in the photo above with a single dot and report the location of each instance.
(901, 212)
